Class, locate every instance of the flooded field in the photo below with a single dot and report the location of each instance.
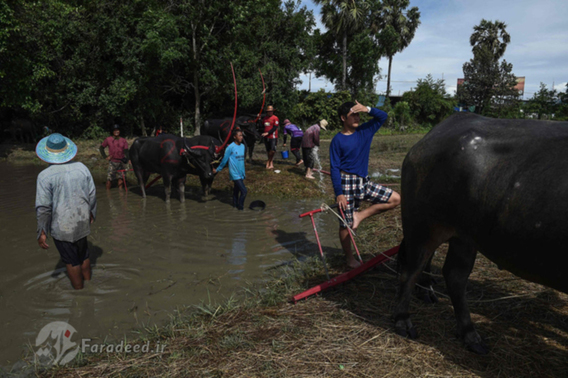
(149, 258)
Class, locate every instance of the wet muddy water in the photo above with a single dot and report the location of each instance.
(149, 258)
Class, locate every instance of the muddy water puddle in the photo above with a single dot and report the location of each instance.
(149, 258)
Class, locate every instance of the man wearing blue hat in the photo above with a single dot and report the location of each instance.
(66, 205)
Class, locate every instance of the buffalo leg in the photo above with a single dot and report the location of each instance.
(167, 185)
(457, 268)
(181, 188)
(142, 177)
(250, 151)
(206, 185)
(415, 252)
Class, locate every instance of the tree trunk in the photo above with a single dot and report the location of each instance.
(344, 79)
(196, 87)
(197, 105)
(143, 127)
(389, 78)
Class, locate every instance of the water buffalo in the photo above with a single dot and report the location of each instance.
(219, 128)
(22, 130)
(174, 157)
(489, 185)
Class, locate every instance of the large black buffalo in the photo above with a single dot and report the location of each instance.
(174, 158)
(220, 129)
(489, 185)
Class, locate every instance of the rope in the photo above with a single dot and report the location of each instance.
(325, 207)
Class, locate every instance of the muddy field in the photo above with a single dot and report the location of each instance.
(348, 331)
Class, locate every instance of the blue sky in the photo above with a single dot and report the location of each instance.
(538, 48)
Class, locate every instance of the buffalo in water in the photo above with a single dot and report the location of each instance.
(220, 129)
(174, 158)
(490, 185)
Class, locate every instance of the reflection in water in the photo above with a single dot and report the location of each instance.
(149, 258)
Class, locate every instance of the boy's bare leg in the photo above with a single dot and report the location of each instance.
(346, 245)
(358, 216)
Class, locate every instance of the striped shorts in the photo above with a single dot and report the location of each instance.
(357, 189)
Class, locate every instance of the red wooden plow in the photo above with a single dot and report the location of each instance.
(381, 258)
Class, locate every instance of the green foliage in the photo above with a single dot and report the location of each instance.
(81, 67)
(492, 36)
(394, 27)
(343, 19)
(362, 58)
(489, 85)
(314, 106)
(544, 103)
(402, 114)
(348, 55)
(429, 102)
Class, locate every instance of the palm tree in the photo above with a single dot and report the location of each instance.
(491, 35)
(394, 28)
(343, 17)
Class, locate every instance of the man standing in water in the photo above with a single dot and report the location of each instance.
(118, 152)
(270, 135)
(66, 205)
(349, 156)
(235, 155)
(310, 140)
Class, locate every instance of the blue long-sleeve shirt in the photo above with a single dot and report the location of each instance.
(65, 199)
(235, 155)
(350, 153)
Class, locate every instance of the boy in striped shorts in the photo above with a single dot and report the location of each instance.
(349, 155)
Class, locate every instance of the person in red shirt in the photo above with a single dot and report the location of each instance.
(270, 135)
(159, 131)
(118, 156)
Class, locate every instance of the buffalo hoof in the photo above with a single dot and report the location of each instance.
(475, 344)
(405, 328)
(478, 348)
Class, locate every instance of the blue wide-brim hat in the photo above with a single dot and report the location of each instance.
(56, 149)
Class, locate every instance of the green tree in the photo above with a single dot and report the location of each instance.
(492, 36)
(343, 18)
(488, 84)
(544, 102)
(402, 114)
(362, 62)
(314, 106)
(394, 27)
(429, 103)
(563, 106)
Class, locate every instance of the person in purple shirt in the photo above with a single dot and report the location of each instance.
(349, 156)
(296, 135)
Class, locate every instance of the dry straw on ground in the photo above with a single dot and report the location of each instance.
(348, 331)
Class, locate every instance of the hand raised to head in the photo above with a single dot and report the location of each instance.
(358, 108)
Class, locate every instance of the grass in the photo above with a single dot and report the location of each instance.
(348, 331)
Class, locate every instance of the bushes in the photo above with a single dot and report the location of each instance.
(319, 105)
